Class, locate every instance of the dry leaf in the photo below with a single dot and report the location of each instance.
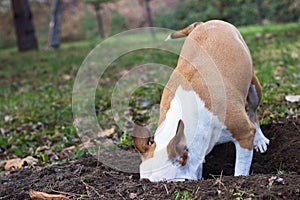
(277, 73)
(45, 196)
(66, 152)
(30, 160)
(108, 132)
(18, 163)
(270, 35)
(266, 113)
(85, 144)
(66, 77)
(292, 98)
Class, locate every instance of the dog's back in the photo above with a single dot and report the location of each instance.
(215, 62)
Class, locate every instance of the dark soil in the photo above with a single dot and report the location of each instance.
(274, 175)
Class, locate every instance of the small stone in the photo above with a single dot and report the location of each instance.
(132, 195)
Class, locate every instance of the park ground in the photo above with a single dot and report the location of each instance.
(36, 120)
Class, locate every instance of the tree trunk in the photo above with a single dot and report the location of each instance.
(149, 18)
(54, 26)
(260, 12)
(99, 21)
(25, 32)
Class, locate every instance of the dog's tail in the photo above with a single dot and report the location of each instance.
(183, 32)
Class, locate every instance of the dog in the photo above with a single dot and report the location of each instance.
(204, 104)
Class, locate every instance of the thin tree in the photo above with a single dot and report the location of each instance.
(97, 6)
(149, 17)
(260, 12)
(54, 25)
(26, 39)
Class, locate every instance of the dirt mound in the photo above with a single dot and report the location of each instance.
(283, 153)
(275, 175)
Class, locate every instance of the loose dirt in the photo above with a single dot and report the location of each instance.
(274, 175)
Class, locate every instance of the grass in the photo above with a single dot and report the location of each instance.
(36, 90)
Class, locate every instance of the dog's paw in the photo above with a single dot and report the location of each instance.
(261, 145)
(260, 142)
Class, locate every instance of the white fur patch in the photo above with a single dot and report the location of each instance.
(243, 160)
(202, 130)
(168, 38)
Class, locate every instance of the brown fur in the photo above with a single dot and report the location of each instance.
(216, 63)
(177, 146)
(216, 50)
(184, 32)
(141, 141)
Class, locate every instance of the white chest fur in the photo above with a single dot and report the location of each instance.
(202, 130)
(201, 126)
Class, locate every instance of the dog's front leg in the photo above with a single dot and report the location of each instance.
(243, 160)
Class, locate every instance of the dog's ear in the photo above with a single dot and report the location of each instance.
(141, 140)
(184, 32)
(176, 148)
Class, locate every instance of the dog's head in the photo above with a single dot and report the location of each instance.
(168, 162)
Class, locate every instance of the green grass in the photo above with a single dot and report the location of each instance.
(268, 28)
(36, 90)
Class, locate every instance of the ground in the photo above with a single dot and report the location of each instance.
(36, 120)
(274, 175)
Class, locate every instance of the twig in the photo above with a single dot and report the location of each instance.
(296, 125)
(219, 181)
(166, 189)
(121, 196)
(197, 190)
(89, 186)
(66, 193)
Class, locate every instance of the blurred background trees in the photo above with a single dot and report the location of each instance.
(54, 25)
(97, 5)
(84, 19)
(26, 39)
(237, 12)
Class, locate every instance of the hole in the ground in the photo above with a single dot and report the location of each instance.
(282, 155)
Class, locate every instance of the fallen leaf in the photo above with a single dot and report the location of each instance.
(292, 98)
(66, 77)
(67, 152)
(30, 160)
(18, 163)
(266, 113)
(85, 144)
(270, 35)
(46, 196)
(108, 132)
(277, 73)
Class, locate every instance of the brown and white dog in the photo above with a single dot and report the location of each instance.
(203, 104)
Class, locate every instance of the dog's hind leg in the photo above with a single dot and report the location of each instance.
(253, 98)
